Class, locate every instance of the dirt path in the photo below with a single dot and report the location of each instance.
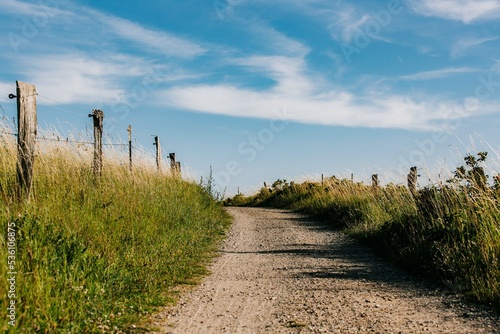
(283, 273)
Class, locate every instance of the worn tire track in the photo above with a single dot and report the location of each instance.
(280, 272)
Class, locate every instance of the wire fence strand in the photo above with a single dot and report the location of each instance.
(71, 141)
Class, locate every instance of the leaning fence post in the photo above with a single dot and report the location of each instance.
(129, 130)
(26, 139)
(375, 180)
(158, 153)
(412, 180)
(98, 118)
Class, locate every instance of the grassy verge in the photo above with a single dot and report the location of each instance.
(450, 233)
(95, 255)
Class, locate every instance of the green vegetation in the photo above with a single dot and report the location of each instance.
(449, 232)
(97, 254)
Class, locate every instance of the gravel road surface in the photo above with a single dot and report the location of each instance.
(280, 272)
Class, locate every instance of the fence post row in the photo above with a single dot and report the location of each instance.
(158, 153)
(26, 139)
(98, 118)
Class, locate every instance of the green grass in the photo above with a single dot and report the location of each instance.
(449, 233)
(98, 255)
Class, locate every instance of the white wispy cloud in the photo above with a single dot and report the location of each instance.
(70, 65)
(438, 74)
(496, 65)
(287, 72)
(315, 102)
(461, 46)
(335, 107)
(466, 11)
(276, 41)
(41, 9)
(159, 41)
(79, 78)
(347, 22)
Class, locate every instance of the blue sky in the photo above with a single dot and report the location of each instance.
(261, 90)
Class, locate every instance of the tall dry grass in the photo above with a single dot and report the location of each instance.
(95, 254)
(449, 232)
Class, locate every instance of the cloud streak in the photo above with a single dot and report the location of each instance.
(466, 11)
(309, 100)
(437, 74)
(156, 41)
(464, 44)
(335, 107)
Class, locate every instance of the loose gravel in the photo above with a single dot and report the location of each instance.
(281, 272)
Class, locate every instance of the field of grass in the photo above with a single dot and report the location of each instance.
(97, 254)
(450, 232)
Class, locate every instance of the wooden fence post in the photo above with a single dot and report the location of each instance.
(26, 139)
(375, 180)
(412, 180)
(98, 118)
(322, 179)
(158, 153)
(129, 130)
(178, 168)
(173, 164)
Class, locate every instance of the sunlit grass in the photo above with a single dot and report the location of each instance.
(450, 232)
(96, 253)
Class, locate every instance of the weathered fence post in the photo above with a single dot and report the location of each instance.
(178, 168)
(26, 139)
(412, 180)
(98, 118)
(375, 180)
(173, 164)
(322, 179)
(129, 130)
(158, 153)
(352, 177)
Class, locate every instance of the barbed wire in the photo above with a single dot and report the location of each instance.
(67, 140)
(9, 133)
(143, 151)
(72, 141)
(59, 108)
